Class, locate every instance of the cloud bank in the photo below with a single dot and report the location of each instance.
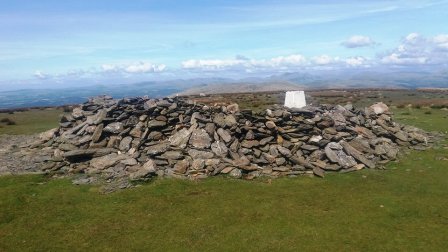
(136, 68)
(414, 50)
(280, 63)
(356, 41)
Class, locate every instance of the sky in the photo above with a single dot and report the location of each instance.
(52, 44)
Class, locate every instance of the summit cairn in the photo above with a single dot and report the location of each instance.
(141, 138)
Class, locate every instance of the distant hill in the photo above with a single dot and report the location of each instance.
(361, 78)
(242, 88)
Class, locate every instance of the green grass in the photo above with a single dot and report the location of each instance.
(31, 121)
(436, 120)
(403, 208)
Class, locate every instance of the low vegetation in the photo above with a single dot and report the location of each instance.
(7, 121)
(29, 121)
(402, 208)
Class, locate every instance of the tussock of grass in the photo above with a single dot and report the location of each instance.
(7, 121)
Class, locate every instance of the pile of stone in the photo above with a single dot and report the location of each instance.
(139, 138)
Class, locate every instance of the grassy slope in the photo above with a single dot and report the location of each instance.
(30, 122)
(340, 212)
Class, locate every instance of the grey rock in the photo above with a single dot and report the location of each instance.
(230, 120)
(357, 155)
(172, 155)
(219, 148)
(270, 125)
(281, 169)
(210, 128)
(266, 140)
(97, 133)
(157, 148)
(331, 154)
(76, 155)
(236, 173)
(136, 132)
(200, 139)
(153, 124)
(147, 170)
(280, 161)
(129, 162)
(241, 161)
(335, 154)
(198, 164)
(197, 154)
(402, 136)
(319, 172)
(107, 161)
(67, 147)
(125, 143)
(47, 135)
(250, 143)
(225, 136)
(84, 181)
(100, 116)
(379, 108)
(180, 138)
(114, 128)
(228, 169)
(220, 120)
(233, 108)
(77, 113)
(182, 166)
(150, 104)
(309, 147)
(284, 151)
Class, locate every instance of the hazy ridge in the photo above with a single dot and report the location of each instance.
(286, 81)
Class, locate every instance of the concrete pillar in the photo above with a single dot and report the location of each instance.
(295, 99)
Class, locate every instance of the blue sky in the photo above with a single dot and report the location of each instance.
(64, 43)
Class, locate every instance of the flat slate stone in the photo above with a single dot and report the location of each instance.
(200, 139)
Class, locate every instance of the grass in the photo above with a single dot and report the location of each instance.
(30, 122)
(403, 208)
(427, 119)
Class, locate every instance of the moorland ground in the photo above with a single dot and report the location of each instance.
(401, 208)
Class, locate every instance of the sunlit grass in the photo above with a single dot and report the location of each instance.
(402, 208)
(31, 121)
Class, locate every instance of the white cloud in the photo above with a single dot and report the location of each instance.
(358, 41)
(400, 59)
(143, 67)
(323, 60)
(109, 68)
(412, 37)
(40, 75)
(134, 68)
(441, 41)
(105, 69)
(416, 49)
(212, 64)
(245, 64)
(291, 62)
(356, 61)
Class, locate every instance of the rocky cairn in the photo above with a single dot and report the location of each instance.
(139, 138)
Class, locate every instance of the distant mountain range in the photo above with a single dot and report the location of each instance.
(242, 87)
(286, 81)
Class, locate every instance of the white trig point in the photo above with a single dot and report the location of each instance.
(295, 99)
